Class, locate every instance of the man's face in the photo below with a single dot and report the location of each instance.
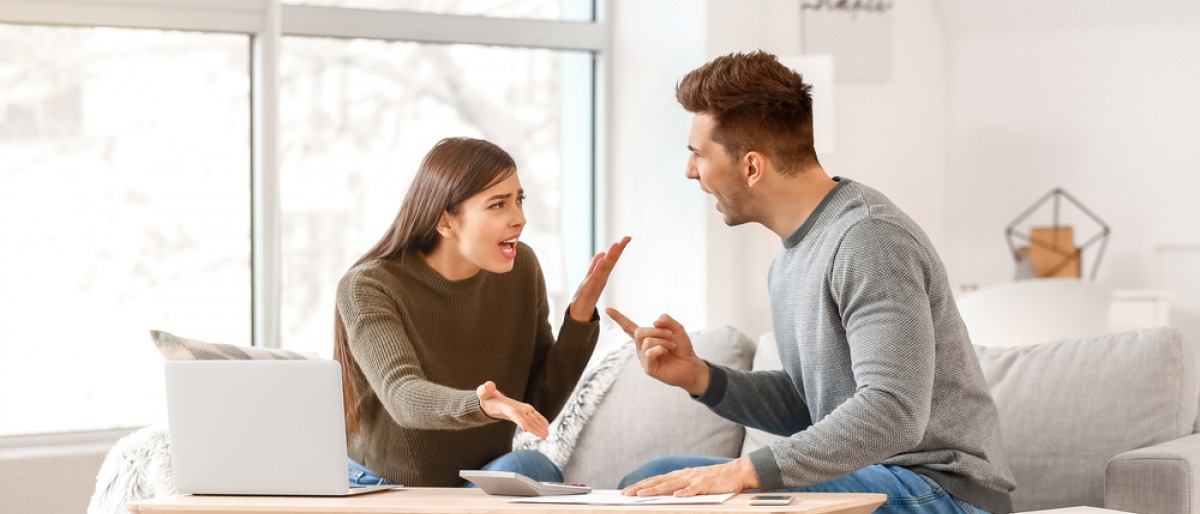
(718, 173)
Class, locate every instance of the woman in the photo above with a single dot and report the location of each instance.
(442, 329)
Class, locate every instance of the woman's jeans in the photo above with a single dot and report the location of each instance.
(907, 492)
(526, 462)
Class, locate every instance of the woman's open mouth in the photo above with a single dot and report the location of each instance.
(508, 248)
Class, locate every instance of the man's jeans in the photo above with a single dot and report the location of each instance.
(907, 492)
(526, 462)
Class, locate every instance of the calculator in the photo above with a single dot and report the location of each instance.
(508, 483)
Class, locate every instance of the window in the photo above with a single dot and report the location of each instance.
(132, 181)
(573, 10)
(358, 115)
(124, 167)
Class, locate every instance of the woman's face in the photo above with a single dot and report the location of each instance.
(485, 231)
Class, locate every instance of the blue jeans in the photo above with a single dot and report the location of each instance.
(526, 462)
(907, 492)
(360, 475)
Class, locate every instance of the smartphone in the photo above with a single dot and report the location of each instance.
(771, 499)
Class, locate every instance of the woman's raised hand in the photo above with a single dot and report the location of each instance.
(498, 406)
(593, 283)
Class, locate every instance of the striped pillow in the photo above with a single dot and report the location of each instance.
(174, 347)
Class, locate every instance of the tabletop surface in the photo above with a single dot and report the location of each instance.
(435, 500)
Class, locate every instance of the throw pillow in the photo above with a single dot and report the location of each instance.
(1067, 407)
(641, 418)
(174, 347)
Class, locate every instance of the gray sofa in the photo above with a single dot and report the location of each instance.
(1106, 421)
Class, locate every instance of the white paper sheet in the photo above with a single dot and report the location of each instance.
(614, 497)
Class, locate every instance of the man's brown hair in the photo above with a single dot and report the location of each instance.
(757, 104)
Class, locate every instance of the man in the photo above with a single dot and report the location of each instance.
(880, 389)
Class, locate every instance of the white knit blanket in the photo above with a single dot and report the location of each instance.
(137, 468)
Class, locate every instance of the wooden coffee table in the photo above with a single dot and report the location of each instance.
(437, 500)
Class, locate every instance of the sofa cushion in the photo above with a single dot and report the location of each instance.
(1067, 407)
(641, 418)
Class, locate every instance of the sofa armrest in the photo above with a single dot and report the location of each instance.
(1159, 479)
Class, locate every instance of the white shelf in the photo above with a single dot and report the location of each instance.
(1139, 308)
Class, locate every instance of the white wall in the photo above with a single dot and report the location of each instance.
(663, 269)
(890, 135)
(1110, 112)
(1097, 99)
(40, 478)
(739, 256)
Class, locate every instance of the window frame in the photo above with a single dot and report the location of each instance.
(267, 22)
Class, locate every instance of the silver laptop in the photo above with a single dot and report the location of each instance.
(258, 427)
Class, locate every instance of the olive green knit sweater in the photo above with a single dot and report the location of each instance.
(424, 343)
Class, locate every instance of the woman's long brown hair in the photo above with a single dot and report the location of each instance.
(453, 171)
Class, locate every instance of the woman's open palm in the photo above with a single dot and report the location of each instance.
(498, 406)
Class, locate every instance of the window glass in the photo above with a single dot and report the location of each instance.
(125, 195)
(357, 116)
(570, 10)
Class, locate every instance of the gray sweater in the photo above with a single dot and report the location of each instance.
(877, 365)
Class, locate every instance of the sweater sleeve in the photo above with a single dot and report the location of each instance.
(879, 281)
(774, 407)
(379, 341)
(557, 365)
